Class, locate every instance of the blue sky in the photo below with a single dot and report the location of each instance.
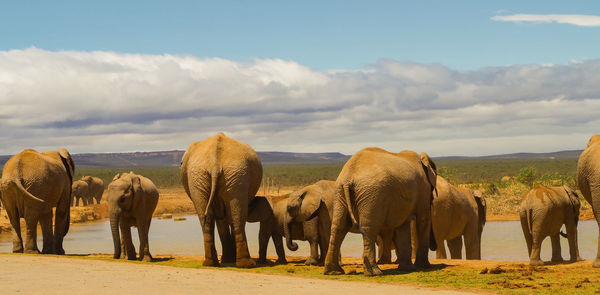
(446, 77)
(317, 34)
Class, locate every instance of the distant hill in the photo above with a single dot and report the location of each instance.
(173, 158)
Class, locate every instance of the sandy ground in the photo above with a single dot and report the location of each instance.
(30, 274)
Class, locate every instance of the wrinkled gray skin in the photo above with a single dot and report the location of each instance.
(132, 199)
(457, 213)
(32, 184)
(95, 188)
(543, 212)
(310, 209)
(79, 191)
(588, 176)
(221, 176)
(378, 192)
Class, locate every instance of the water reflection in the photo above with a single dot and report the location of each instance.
(501, 240)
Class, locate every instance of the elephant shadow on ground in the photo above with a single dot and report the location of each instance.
(546, 263)
(357, 269)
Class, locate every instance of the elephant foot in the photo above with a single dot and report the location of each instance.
(245, 263)
(210, 262)
(33, 251)
(407, 267)
(333, 270)
(373, 271)
(262, 261)
(536, 262)
(576, 259)
(557, 259)
(147, 258)
(18, 250)
(311, 261)
(596, 263)
(227, 259)
(281, 261)
(423, 264)
(386, 260)
(47, 251)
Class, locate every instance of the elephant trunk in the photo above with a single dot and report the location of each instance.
(287, 228)
(114, 227)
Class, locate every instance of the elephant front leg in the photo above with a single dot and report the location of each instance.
(143, 228)
(311, 233)
(126, 239)
(278, 241)
(573, 244)
(556, 251)
(385, 248)
(404, 247)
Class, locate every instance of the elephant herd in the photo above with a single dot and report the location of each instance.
(394, 200)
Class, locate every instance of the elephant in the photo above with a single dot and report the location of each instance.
(132, 199)
(457, 213)
(380, 191)
(32, 184)
(543, 212)
(588, 178)
(221, 176)
(96, 188)
(312, 208)
(261, 210)
(79, 190)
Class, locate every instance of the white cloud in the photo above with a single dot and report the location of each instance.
(572, 19)
(110, 102)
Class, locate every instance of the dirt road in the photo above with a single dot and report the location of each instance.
(27, 274)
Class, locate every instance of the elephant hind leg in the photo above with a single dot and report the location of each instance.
(237, 210)
(556, 251)
(455, 247)
(369, 265)
(404, 246)
(340, 226)
(385, 248)
(227, 243)
(31, 222)
(48, 235)
(15, 222)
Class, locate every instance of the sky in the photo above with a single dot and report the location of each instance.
(446, 77)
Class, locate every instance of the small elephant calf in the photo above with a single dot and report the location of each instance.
(132, 199)
(543, 212)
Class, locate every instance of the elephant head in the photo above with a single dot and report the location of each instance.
(594, 139)
(431, 172)
(121, 197)
(301, 206)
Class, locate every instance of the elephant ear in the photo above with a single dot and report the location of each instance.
(310, 206)
(481, 208)
(430, 170)
(67, 161)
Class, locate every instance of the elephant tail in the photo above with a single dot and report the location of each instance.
(562, 233)
(529, 212)
(20, 187)
(351, 208)
(214, 176)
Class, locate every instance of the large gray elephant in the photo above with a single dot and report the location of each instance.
(95, 187)
(457, 213)
(543, 212)
(588, 176)
(132, 199)
(378, 192)
(32, 184)
(79, 191)
(221, 176)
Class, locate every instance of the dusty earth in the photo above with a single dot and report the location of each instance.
(33, 274)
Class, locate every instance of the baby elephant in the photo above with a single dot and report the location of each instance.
(132, 199)
(260, 210)
(543, 211)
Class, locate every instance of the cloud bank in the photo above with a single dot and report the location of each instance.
(112, 102)
(571, 19)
